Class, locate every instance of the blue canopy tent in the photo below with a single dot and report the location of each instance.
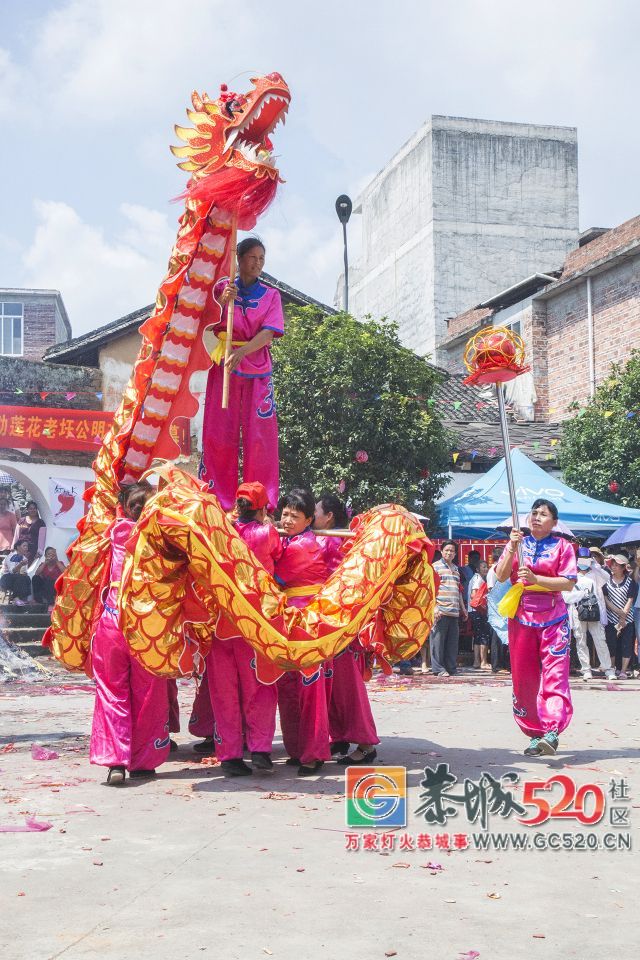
(476, 512)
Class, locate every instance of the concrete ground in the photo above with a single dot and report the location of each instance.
(192, 865)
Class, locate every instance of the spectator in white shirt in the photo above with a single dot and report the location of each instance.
(13, 575)
(591, 579)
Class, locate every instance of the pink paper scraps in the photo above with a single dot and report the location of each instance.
(30, 825)
(42, 753)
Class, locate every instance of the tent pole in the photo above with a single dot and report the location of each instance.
(504, 428)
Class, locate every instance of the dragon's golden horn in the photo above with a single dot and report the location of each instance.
(182, 151)
(198, 116)
(189, 166)
(186, 133)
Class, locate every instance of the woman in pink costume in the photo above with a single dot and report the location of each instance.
(243, 707)
(130, 729)
(257, 319)
(539, 636)
(302, 701)
(350, 716)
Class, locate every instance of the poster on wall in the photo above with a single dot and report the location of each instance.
(65, 500)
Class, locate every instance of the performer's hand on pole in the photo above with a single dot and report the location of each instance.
(527, 576)
(230, 292)
(515, 537)
(234, 359)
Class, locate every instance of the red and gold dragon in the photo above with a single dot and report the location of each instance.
(168, 619)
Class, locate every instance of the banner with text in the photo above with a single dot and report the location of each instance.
(27, 427)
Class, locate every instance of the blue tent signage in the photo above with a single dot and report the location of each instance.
(478, 510)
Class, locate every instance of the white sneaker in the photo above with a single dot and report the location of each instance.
(424, 668)
(587, 676)
(610, 675)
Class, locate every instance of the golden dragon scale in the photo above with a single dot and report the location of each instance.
(190, 578)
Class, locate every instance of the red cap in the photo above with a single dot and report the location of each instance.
(254, 492)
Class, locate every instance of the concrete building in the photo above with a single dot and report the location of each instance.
(463, 210)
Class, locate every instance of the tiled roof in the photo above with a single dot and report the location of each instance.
(460, 404)
(534, 439)
(470, 414)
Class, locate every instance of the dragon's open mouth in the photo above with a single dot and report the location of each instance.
(251, 137)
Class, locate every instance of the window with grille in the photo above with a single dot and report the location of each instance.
(11, 321)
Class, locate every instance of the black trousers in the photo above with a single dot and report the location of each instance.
(620, 644)
(444, 640)
(18, 583)
(499, 653)
(44, 590)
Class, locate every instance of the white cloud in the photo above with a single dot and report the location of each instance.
(113, 59)
(303, 250)
(10, 82)
(100, 278)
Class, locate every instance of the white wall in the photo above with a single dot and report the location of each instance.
(35, 479)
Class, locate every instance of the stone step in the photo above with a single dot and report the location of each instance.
(26, 620)
(35, 649)
(10, 609)
(22, 635)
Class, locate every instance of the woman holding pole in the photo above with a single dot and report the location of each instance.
(540, 566)
(539, 636)
(241, 376)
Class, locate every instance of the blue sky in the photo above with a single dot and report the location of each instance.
(90, 90)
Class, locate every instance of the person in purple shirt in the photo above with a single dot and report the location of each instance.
(257, 319)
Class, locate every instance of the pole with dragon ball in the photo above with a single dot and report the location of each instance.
(496, 355)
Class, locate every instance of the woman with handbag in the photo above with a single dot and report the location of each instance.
(591, 615)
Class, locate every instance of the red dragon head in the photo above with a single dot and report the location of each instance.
(233, 131)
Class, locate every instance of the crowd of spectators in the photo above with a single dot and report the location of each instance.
(28, 569)
(604, 614)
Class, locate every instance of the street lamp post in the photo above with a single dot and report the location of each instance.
(343, 209)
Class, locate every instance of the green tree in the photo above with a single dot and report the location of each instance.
(601, 445)
(346, 390)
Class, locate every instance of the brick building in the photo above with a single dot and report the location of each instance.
(31, 321)
(576, 321)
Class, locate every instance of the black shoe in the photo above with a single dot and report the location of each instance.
(173, 746)
(339, 748)
(142, 774)
(235, 768)
(115, 777)
(310, 771)
(206, 747)
(292, 762)
(365, 759)
(262, 762)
